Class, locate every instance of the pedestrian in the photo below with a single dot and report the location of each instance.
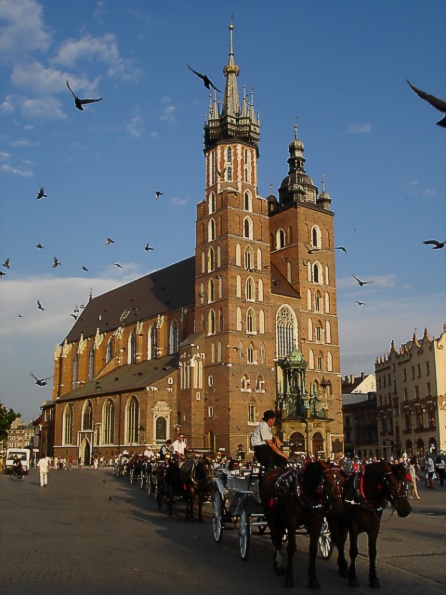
(440, 467)
(166, 448)
(43, 471)
(429, 469)
(79, 462)
(413, 488)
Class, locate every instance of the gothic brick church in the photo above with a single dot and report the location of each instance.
(204, 346)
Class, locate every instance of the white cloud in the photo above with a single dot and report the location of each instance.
(179, 201)
(168, 114)
(44, 108)
(135, 126)
(24, 29)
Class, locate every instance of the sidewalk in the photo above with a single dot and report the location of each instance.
(432, 502)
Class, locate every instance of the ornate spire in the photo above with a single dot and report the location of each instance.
(231, 103)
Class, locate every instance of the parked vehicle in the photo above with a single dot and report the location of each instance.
(23, 454)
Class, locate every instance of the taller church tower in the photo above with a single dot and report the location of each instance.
(233, 284)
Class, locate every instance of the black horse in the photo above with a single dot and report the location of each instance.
(191, 481)
(292, 499)
(366, 494)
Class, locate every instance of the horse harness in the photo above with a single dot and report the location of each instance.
(359, 499)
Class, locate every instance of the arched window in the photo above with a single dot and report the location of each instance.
(262, 353)
(259, 259)
(247, 228)
(317, 301)
(132, 349)
(329, 362)
(229, 173)
(250, 290)
(311, 360)
(211, 230)
(203, 261)
(260, 383)
(75, 370)
(211, 291)
(317, 275)
(327, 303)
(252, 414)
(173, 337)
(108, 422)
(262, 322)
(239, 318)
(219, 351)
(212, 203)
(286, 331)
(247, 203)
(87, 416)
(238, 255)
(220, 319)
(213, 353)
(327, 276)
(238, 286)
(251, 354)
(132, 421)
(211, 260)
(327, 332)
(110, 352)
(245, 382)
(309, 305)
(260, 291)
(153, 343)
(280, 239)
(316, 237)
(67, 424)
(229, 155)
(91, 363)
(249, 258)
(250, 321)
(218, 256)
(161, 429)
(211, 320)
(310, 329)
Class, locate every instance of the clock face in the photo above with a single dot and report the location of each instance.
(124, 315)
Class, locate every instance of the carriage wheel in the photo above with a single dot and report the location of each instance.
(244, 534)
(142, 479)
(325, 542)
(217, 516)
(149, 484)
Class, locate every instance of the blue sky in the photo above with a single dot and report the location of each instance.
(339, 67)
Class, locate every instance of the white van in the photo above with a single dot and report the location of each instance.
(22, 453)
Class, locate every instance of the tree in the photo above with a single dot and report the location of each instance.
(7, 416)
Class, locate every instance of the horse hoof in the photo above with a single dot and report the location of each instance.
(313, 583)
(374, 583)
(353, 581)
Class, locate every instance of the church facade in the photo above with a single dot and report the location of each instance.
(204, 346)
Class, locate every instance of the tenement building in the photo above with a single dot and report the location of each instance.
(204, 346)
(411, 393)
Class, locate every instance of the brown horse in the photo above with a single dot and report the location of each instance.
(292, 499)
(366, 494)
(196, 482)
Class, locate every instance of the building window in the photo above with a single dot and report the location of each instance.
(211, 260)
(211, 320)
(247, 201)
(132, 421)
(212, 202)
(280, 239)
(173, 337)
(249, 259)
(427, 368)
(110, 350)
(161, 429)
(75, 370)
(229, 155)
(108, 422)
(67, 425)
(87, 416)
(211, 230)
(251, 354)
(252, 415)
(250, 321)
(132, 349)
(247, 228)
(286, 331)
(153, 343)
(91, 363)
(249, 289)
(211, 291)
(317, 302)
(238, 256)
(316, 237)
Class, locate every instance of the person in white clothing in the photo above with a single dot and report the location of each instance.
(266, 446)
(43, 470)
(179, 447)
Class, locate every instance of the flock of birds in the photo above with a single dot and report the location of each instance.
(79, 103)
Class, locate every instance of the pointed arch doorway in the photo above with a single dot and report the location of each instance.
(85, 451)
(317, 444)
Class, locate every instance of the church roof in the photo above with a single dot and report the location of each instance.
(280, 285)
(126, 378)
(161, 291)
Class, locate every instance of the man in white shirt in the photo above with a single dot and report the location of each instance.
(43, 470)
(266, 446)
(179, 447)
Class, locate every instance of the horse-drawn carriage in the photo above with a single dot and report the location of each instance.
(237, 504)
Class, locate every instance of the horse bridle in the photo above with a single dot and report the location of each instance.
(401, 491)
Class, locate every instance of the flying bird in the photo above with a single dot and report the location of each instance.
(311, 250)
(361, 303)
(57, 263)
(158, 194)
(221, 173)
(41, 194)
(39, 305)
(436, 245)
(109, 241)
(147, 248)
(2, 274)
(39, 245)
(6, 263)
(362, 283)
(206, 80)
(80, 102)
(40, 381)
(439, 104)
(117, 265)
(74, 316)
(85, 269)
(342, 248)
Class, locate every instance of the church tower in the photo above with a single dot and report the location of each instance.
(233, 285)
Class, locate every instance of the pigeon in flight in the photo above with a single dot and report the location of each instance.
(2, 274)
(147, 248)
(57, 263)
(85, 269)
(39, 245)
(311, 250)
(6, 263)
(39, 305)
(80, 102)
(158, 194)
(221, 173)
(40, 381)
(361, 303)
(206, 80)
(436, 245)
(439, 104)
(117, 265)
(109, 241)
(74, 316)
(41, 194)
(362, 283)
(342, 248)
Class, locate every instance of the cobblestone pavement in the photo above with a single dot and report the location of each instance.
(88, 532)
